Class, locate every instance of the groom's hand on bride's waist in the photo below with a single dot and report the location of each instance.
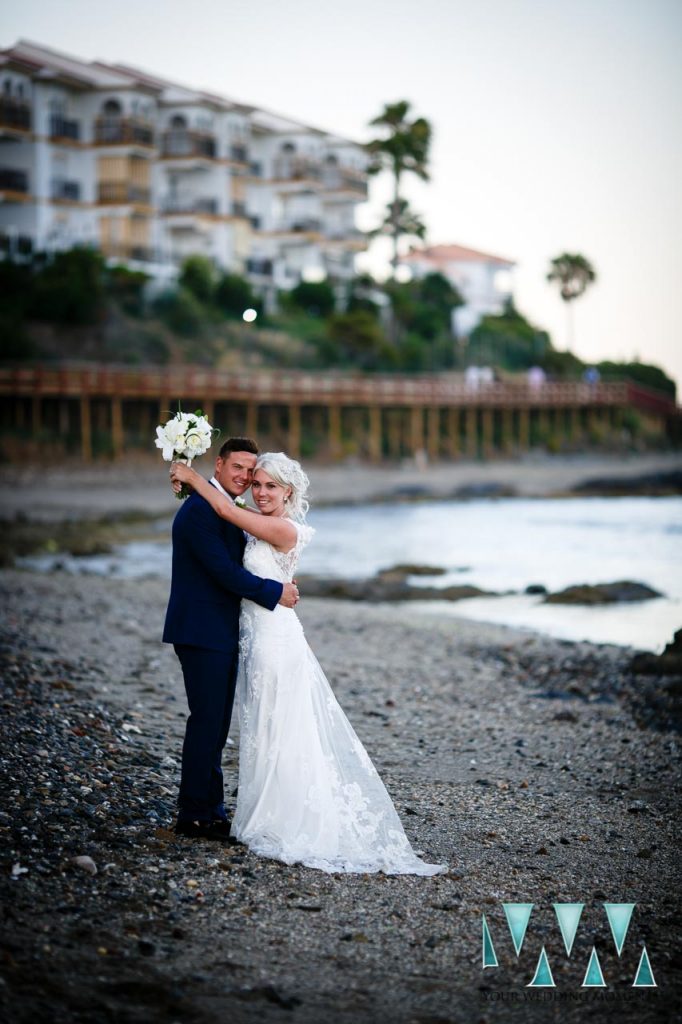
(289, 595)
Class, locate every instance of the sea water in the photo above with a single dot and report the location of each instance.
(499, 545)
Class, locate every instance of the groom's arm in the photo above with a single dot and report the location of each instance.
(203, 534)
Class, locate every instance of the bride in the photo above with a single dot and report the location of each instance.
(308, 791)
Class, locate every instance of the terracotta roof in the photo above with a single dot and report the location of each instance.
(455, 254)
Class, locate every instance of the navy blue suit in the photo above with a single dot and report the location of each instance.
(202, 621)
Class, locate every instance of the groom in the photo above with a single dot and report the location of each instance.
(202, 622)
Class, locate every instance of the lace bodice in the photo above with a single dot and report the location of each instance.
(262, 559)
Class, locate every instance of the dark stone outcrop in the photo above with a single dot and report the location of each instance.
(649, 484)
(603, 593)
(669, 663)
(380, 589)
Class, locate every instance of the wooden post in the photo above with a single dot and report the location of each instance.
(507, 429)
(208, 407)
(294, 431)
(36, 419)
(416, 429)
(116, 426)
(86, 429)
(433, 432)
(335, 431)
(394, 438)
(487, 432)
(471, 431)
(524, 428)
(251, 419)
(453, 433)
(63, 418)
(375, 433)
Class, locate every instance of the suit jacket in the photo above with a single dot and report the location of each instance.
(208, 580)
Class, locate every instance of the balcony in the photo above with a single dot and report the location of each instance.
(119, 192)
(141, 253)
(12, 180)
(122, 131)
(296, 169)
(65, 191)
(339, 180)
(260, 268)
(239, 210)
(14, 114)
(61, 128)
(350, 237)
(300, 225)
(188, 144)
(239, 154)
(180, 203)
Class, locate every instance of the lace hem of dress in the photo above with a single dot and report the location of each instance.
(411, 865)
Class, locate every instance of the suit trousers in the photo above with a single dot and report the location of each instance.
(210, 680)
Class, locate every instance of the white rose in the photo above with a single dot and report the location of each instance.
(194, 443)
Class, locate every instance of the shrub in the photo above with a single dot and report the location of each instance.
(181, 311)
(198, 277)
(315, 297)
(69, 288)
(234, 294)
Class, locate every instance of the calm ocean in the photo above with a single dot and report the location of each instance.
(501, 545)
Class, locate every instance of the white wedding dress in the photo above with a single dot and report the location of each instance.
(308, 792)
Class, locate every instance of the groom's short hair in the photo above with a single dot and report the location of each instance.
(238, 444)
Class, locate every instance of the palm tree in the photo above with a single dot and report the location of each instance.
(573, 274)
(400, 221)
(403, 149)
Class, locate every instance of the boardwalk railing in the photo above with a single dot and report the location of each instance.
(439, 413)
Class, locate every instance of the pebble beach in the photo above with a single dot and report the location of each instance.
(541, 771)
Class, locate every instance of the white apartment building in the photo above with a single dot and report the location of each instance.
(150, 171)
(483, 281)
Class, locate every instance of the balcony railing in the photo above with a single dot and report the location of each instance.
(239, 154)
(143, 254)
(14, 114)
(337, 180)
(256, 169)
(123, 131)
(122, 192)
(239, 210)
(12, 180)
(300, 225)
(255, 223)
(296, 169)
(62, 189)
(61, 128)
(184, 144)
(345, 234)
(189, 204)
(260, 268)
(17, 247)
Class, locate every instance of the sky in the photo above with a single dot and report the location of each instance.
(557, 127)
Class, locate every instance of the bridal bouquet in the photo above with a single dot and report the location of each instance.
(184, 437)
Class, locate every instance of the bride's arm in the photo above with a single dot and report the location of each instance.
(281, 533)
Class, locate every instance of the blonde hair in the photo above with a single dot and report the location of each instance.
(287, 473)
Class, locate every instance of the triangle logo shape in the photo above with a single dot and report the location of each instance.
(619, 915)
(644, 978)
(543, 973)
(568, 916)
(488, 954)
(593, 975)
(518, 916)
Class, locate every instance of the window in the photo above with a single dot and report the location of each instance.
(111, 108)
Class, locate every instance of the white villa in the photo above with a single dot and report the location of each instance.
(483, 281)
(150, 171)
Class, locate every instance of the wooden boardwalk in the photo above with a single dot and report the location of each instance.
(376, 416)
